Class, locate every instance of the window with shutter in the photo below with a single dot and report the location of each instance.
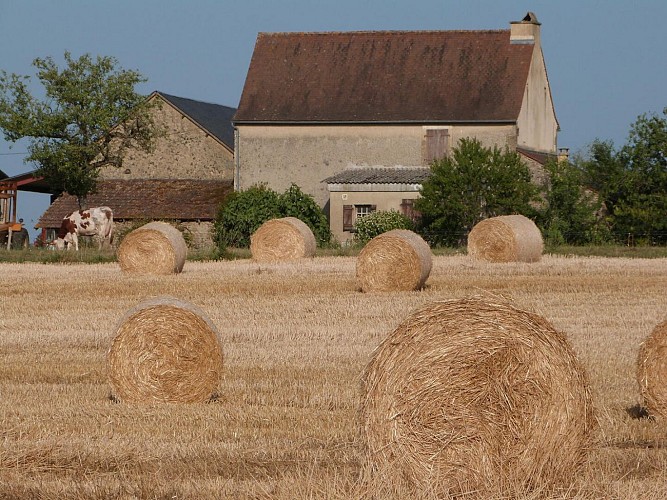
(408, 209)
(437, 144)
(364, 210)
(348, 217)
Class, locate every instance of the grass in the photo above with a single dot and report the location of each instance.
(296, 339)
(91, 255)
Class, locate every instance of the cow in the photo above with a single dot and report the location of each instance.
(96, 221)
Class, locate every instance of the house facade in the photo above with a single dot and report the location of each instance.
(316, 104)
(184, 179)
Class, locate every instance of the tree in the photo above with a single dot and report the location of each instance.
(643, 206)
(89, 118)
(633, 180)
(472, 184)
(295, 203)
(568, 212)
(241, 214)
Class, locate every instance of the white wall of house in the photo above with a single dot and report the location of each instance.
(381, 197)
(537, 123)
(279, 155)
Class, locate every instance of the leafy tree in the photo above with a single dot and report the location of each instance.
(568, 211)
(89, 118)
(376, 223)
(603, 172)
(472, 184)
(643, 205)
(633, 180)
(296, 203)
(241, 214)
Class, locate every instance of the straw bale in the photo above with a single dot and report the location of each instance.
(165, 350)
(508, 238)
(154, 248)
(398, 260)
(282, 239)
(471, 395)
(652, 371)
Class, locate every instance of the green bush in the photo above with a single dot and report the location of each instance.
(376, 223)
(296, 203)
(472, 184)
(241, 214)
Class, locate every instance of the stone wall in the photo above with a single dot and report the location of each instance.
(184, 152)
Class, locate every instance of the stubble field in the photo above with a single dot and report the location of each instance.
(296, 338)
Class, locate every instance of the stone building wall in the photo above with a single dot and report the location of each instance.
(184, 152)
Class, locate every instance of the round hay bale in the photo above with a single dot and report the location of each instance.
(283, 239)
(652, 371)
(508, 238)
(154, 248)
(398, 260)
(165, 350)
(474, 396)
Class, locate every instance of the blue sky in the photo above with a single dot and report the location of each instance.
(605, 58)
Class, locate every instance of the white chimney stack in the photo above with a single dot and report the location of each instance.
(525, 31)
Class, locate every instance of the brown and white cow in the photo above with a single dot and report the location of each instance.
(96, 221)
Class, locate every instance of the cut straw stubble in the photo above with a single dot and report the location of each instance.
(165, 350)
(652, 371)
(475, 396)
(284, 239)
(507, 238)
(398, 260)
(155, 248)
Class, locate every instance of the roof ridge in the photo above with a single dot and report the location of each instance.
(164, 94)
(355, 32)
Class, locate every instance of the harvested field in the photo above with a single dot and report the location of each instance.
(296, 340)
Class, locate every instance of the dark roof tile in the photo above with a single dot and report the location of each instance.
(385, 76)
(214, 118)
(376, 175)
(147, 199)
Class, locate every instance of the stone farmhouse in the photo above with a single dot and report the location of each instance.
(356, 118)
(183, 180)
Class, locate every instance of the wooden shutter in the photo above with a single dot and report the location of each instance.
(348, 217)
(408, 209)
(437, 144)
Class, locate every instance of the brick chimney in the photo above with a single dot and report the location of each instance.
(526, 31)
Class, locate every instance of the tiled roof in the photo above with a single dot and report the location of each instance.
(376, 175)
(214, 118)
(147, 199)
(385, 76)
(537, 156)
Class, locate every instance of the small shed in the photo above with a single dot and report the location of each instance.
(191, 203)
(359, 191)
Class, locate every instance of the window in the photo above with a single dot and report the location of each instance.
(364, 210)
(352, 212)
(436, 144)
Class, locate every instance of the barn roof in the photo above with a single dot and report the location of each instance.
(537, 156)
(385, 76)
(147, 199)
(380, 175)
(215, 119)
